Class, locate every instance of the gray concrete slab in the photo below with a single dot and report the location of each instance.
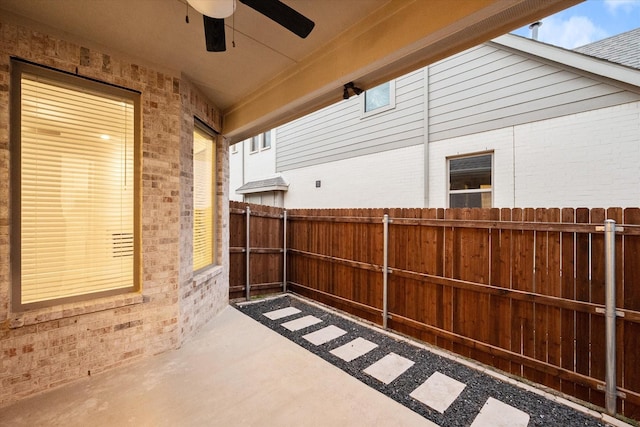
(235, 372)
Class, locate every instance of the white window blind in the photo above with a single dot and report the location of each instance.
(77, 191)
(203, 199)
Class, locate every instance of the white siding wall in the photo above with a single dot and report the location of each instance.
(260, 164)
(245, 166)
(589, 159)
(389, 179)
(235, 171)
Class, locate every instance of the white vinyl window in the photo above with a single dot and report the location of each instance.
(255, 143)
(75, 186)
(204, 161)
(378, 99)
(470, 181)
(266, 140)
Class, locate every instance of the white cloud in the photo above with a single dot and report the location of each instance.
(570, 33)
(625, 5)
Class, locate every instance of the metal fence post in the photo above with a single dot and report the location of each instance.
(610, 314)
(284, 251)
(385, 270)
(247, 252)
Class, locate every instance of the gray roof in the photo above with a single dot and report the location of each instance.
(622, 49)
(270, 184)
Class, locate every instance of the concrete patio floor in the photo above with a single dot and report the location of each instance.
(235, 372)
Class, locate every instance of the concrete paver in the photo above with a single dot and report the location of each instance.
(301, 323)
(282, 313)
(324, 335)
(353, 349)
(389, 368)
(495, 413)
(438, 391)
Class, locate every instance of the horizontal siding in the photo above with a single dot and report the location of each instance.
(543, 113)
(484, 88)
(339, 132)
(487, 88)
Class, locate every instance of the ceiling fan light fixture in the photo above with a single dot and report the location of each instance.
(214, 8)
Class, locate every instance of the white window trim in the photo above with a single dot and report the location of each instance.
(469, 191)
(390, 106)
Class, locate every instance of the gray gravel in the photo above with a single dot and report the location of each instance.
(479, 386)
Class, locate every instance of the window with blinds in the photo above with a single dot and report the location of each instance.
(74, 155)
(203, 198)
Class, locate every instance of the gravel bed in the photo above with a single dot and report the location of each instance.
(462, 412)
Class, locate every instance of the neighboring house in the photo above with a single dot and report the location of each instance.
(509, 123)
(253, 178)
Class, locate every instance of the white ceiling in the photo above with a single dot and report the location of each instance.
(156, 31)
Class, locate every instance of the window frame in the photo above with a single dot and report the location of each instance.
(19, 67)
(473, 190)
(255, 149)
(263, 141)
(364, 113)
(204, 128)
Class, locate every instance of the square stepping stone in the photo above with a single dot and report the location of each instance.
(301, 323)
(389, 368)
(353, 349)
(324, 335)
(281, 313)
(438, 391)
(495, 413)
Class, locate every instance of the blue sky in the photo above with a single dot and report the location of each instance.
(587, 22)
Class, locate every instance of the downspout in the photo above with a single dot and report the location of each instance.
(425, 133)
(244, 197)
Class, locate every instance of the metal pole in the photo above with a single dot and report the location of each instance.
(610, 314)
(247, 251)
(385, 270)
(284, 252)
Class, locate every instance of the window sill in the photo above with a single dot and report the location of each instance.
(206, 273)
(41, 315)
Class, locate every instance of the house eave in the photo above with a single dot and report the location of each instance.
(580, 61)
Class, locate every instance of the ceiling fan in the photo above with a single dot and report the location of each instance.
(214, 12)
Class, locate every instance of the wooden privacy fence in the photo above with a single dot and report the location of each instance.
(260, 260)
(519, 289)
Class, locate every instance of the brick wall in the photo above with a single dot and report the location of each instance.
(44, 348)
(204, 294)
(589, 159)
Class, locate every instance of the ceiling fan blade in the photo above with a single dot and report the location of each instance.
(283, 15)
(214, 34)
